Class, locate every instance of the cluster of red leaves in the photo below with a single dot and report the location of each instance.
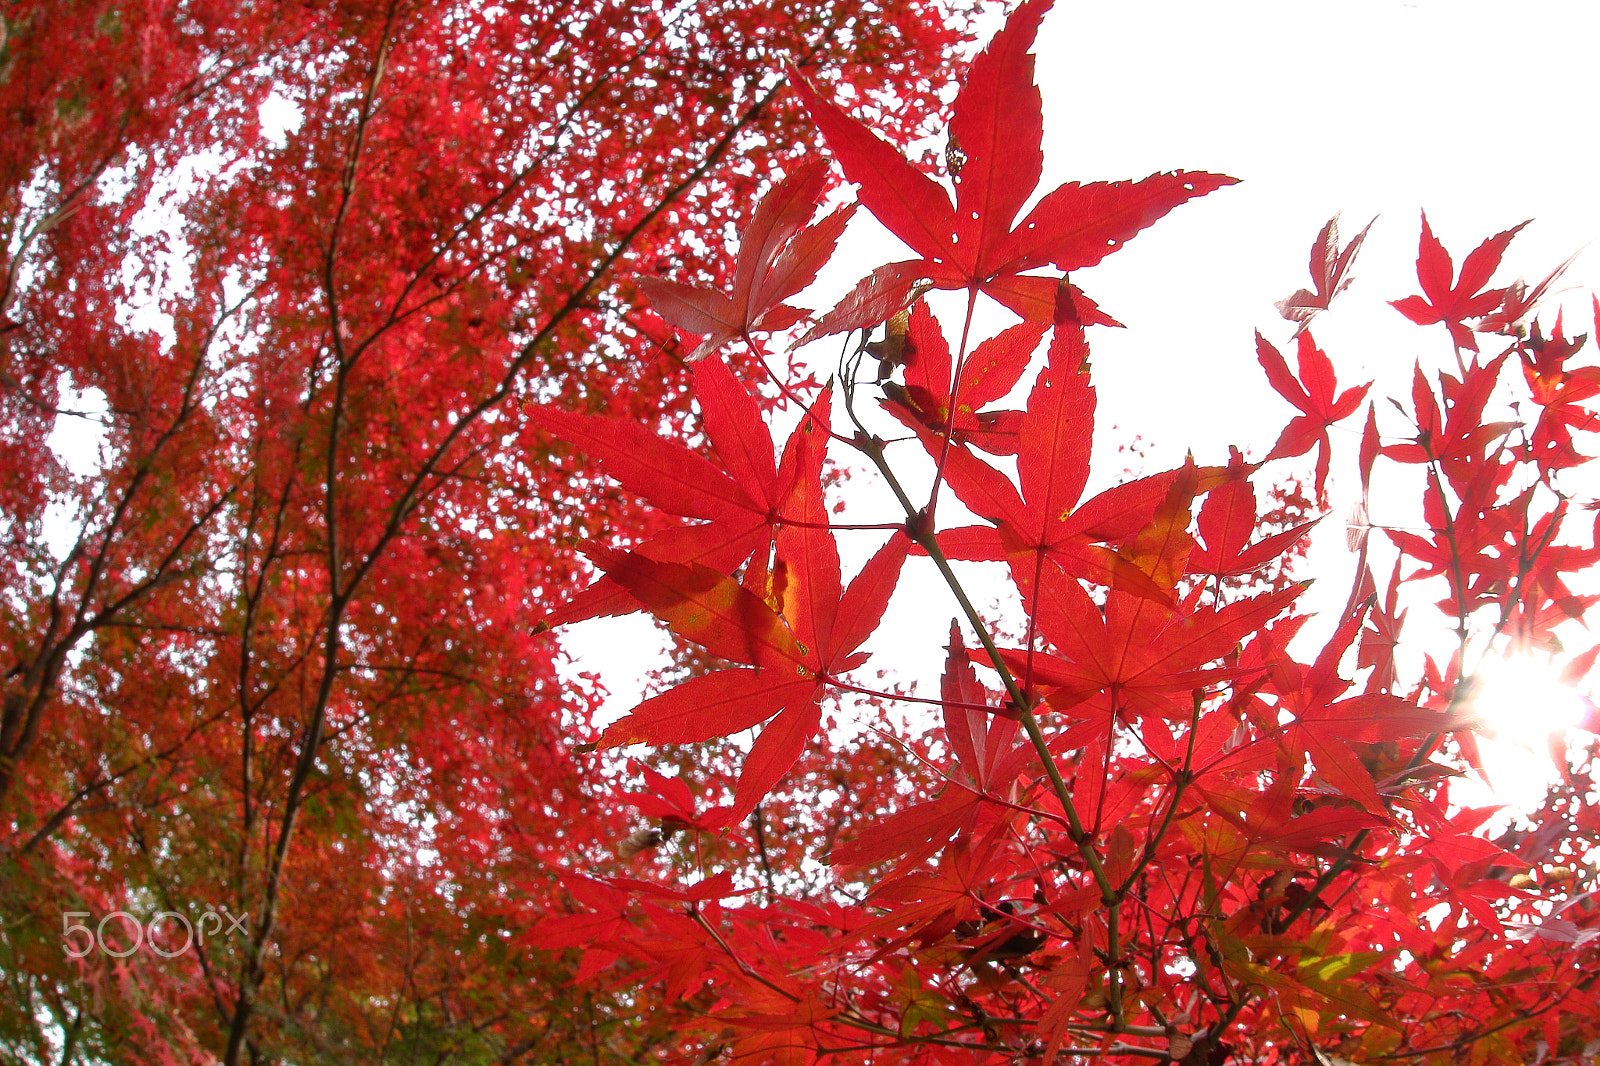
(297, 270)
(1165, 836)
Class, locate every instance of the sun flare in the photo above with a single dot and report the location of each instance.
(1522, 702)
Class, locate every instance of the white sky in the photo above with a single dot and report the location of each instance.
(1484, 114)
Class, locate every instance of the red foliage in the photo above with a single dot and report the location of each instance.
(306, 271)
(1180, 831)
(284, 650)
(994, 158)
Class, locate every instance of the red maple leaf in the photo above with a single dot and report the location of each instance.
(1227, 522)
(738, 505)
(1046, 519)
(995, 158)
(778, 257)
(1457, 438)
(988, 373)
(1131, 654)
(1269, 818)
(798, 632)
(1313, 395)
(1448, 299)
(983, 743)
(1558, 390)
(1324, 726)
(792, 665)
(669, 800)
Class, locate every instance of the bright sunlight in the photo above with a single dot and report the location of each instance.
(1522, 702)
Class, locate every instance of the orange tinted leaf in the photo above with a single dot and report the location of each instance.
(707, 607)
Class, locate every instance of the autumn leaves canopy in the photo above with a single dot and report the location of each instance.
(751, 573)
(767, 520)
(1173, 833)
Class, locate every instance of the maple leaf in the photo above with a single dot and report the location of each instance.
(1382, 636)
(793, 666)
(669, 800)
(739, 504)
(1227, 522)
(1473, 545)
(1448, 299)
(985, 748)
(1330, 268)
(996, 130)
(778, 256)
(1458, 437)
(1047, 519)
(1268, 818)
(595, 929)
(1544, 367)
(1519, 301)
(988, 373)
(1323, 725)
(796, 648)
(1313, 395)
(983, 742)
(1558, 391)
(1131, 654)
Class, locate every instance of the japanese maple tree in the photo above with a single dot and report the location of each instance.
(299, 274)
(467, 351)
(1162, 819)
